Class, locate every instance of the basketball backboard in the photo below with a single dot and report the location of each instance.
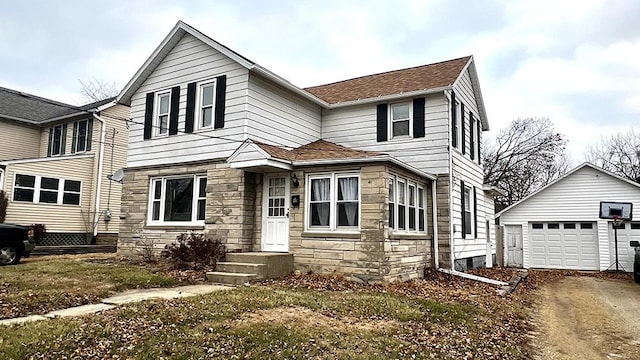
(616, 210)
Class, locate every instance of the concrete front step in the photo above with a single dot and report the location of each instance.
(229, 278)
(243, 268)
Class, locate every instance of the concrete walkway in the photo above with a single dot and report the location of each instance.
(126, 297)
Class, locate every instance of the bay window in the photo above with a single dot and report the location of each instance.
(406, 206)
(334, 201)
(177, 200)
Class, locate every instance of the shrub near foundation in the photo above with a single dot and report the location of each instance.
(194, 251)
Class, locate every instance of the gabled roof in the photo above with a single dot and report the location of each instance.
(420, 78)
(576, 169)
(386, 86)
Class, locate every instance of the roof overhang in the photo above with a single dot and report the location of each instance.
(493, 190)
(46, 159)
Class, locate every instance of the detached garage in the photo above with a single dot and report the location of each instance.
(558, 227)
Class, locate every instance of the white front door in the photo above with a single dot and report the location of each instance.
(275, 214)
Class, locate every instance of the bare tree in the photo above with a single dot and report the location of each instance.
(97, 90)
(618, 153)
(525, 156)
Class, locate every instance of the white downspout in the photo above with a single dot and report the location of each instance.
(434, 206)
(103, 132)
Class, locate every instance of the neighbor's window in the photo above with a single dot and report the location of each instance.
(46, 190)
(162, 122)
(406, 205)
(467, 210)
(56, 142)
(400, 119)
(334, 201)
(80, 136)
(177, 199)
(207, 93)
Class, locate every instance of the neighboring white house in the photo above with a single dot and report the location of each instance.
(361, 176)
(558, 227)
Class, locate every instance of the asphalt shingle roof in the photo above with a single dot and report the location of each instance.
(19, 105)
(418, 78)
(317, 150)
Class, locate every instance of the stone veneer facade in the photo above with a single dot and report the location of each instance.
(234, 215)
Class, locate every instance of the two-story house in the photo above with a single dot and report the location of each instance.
(54, 162)
(378, 177)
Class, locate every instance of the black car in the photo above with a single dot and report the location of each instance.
(636, 263)
(15, 242)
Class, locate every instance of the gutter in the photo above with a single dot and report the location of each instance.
(434, 206)
(103, 132)
(473, 277)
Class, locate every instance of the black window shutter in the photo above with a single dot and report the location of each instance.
(479, 140)
(464, 215)
(173, 112)
(463, 137)
(148, 116)
(74, 139)
(191, 108)
(89, 134)
(221, 95)
(472, 127)
(382, 122)
(64, 139)
(475, 213)
(50, 141)
(418, 117)
(454, 121)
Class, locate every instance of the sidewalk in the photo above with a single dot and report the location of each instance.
(127, 297)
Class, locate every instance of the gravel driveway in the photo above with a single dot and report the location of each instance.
(588, 318)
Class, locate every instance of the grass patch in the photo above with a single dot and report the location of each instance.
(256, 322)
(39, 285)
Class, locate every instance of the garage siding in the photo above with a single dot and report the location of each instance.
(574, 198)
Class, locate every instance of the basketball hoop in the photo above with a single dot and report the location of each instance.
(617, 221)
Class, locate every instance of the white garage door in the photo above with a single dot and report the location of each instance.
(569, 245)
(626, 233)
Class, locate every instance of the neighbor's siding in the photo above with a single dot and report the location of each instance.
(471, 173)
(115, 120)
(18, 141)
(190, 60)
(355, 127)
(57, 218)
(575, 198)
(277, 116)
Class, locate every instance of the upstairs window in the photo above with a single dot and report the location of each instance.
(334, 202)
(400, 119)
(207, 97)
(56, 140)
(81, 136)
(162, 118)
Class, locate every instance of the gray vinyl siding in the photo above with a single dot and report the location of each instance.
(575, 198)
(355, 127)
(190, 61)
(277, 116)
(18, 141)
(472, 174)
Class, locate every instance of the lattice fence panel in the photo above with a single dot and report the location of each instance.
(61, 239)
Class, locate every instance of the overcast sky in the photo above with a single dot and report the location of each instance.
(576, 62)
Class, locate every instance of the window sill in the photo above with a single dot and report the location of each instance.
(331, 234)
(408, 236)
(176, 226)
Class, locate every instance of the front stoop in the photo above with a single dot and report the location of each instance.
(241, 268)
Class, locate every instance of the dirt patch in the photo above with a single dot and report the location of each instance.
(587, 318)
(307, 318)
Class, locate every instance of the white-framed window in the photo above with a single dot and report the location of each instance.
(206, 101)
(401, 118)
(177, 200)
(1, 179)
(80, 136)
(333, 201)
(161, 124)
(406, 206)
(55, 139)
(467, 210)
(46, 190)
